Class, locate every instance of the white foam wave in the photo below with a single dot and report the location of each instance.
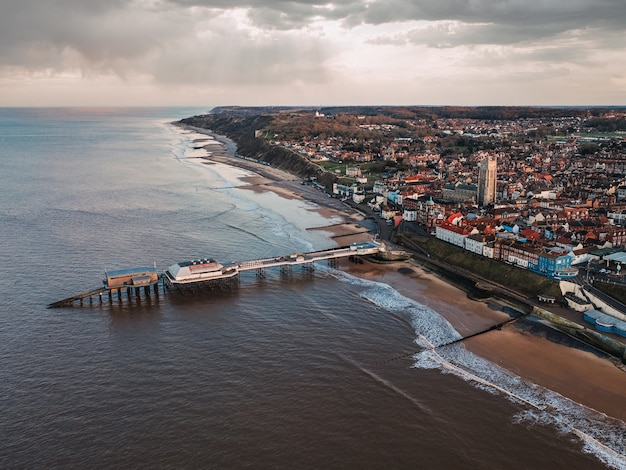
(431, 328)
(602, 436)
(184, 145)
(287, 220)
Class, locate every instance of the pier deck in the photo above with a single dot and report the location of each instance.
(226, 275)
(358, 249)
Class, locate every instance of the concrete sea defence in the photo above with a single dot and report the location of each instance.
(584, 334)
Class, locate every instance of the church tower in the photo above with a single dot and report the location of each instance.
(487, 180)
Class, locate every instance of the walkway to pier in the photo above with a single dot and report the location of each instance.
(112, 294)
(366, 248)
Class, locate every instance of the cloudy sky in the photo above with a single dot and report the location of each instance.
(311, 52)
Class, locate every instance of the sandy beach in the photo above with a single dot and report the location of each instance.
(286, 185)
(581, 376)
(576, 374)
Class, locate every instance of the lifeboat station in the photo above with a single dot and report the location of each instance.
(130, 278)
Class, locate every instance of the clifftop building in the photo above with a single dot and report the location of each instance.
(487, 180)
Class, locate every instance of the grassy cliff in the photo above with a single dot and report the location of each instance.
(521, 280)
(618, 292)
(242, 131)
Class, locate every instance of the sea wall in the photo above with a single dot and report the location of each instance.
(571, 287)
(598, 304)
(575, 296)
(591, 337)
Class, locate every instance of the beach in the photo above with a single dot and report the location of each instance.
(578, 374)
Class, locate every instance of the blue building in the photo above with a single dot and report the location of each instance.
(554, 265)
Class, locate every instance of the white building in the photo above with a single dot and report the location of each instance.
(475, 244)
(451, 234)
(410, 215)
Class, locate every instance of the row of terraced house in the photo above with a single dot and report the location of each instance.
(555, 263)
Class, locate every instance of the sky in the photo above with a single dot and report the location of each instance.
(310, 52)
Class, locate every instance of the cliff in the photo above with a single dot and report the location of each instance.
(242, 130)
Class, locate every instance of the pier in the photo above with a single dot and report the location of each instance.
(202, 274)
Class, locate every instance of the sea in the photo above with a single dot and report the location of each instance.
(311, 369)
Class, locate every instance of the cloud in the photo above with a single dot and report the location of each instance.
(45, 35)
(239, 57)
(461, 23)
(223, 44)
(173, 44)
(554, 16)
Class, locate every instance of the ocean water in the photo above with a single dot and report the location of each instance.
(306, 370)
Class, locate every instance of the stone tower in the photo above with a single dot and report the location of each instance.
(487, 180)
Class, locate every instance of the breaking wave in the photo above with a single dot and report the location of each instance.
(600, 435)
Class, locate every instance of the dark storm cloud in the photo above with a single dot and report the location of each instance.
(561, 14)
(37, 34)
(160, 38)
(511, 25)
(549, 17)
(166, 40)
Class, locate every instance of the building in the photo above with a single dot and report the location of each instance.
(487, 180)
(354, 192)
(130, 277)
(459, 192)
(451, 234)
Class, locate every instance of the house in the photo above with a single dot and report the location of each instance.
(451, 234)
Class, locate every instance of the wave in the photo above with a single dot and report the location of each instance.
(599, 434)
(431, 328)
(286, 220)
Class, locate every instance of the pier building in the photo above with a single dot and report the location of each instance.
(130, 277)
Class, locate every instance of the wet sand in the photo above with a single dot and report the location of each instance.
(585, 378)
(579, 375)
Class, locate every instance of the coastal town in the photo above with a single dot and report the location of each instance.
(313, 235)
(540, 189)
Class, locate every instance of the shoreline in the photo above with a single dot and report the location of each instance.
(583, 376)
(286, 185)
(576, 373)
